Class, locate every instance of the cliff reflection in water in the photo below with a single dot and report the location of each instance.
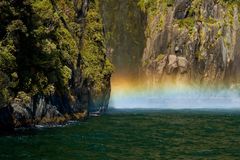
(127, 95)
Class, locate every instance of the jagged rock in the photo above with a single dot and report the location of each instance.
(181, 8)
(183, 64)
(43, 109)
(161, 65)
(17, 114)
(204, 50)
(172, 64)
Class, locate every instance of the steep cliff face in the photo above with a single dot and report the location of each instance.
(124, 25)
(194, 42)
(53, 62)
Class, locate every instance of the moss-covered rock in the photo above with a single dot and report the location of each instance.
(52, 59)
(205, 32)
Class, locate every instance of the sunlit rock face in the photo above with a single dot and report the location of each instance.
(194, 41)
(190, 56)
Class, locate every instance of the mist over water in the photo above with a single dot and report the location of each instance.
(126, 23)
(174, 98)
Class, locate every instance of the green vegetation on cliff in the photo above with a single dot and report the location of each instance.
(47, 46)
(204, 33)
(96, 65)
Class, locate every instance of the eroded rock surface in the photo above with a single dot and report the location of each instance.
(200, 39)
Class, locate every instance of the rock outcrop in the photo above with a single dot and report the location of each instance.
(200, 40)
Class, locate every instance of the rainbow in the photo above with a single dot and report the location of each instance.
(127, 94)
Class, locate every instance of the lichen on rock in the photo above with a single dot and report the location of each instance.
(204, 34)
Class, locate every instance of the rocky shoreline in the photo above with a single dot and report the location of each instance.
(63, 73)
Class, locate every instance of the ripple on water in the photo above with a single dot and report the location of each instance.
(149, 135)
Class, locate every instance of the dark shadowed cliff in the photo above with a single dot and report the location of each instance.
(53, 63)
(124, 23)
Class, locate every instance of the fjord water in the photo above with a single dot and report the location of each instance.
(132, 134)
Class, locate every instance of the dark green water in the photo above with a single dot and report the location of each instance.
(141, 135)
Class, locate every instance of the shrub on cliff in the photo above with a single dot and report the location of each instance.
(41, 42)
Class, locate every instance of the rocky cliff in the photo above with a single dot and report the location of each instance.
(54, 54)
(194, 42)
(124, 24)
(53, 62)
